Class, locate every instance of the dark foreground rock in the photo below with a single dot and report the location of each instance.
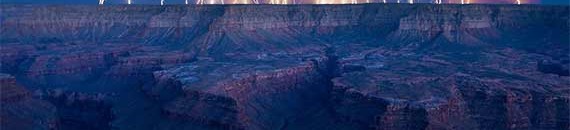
(371, 66)
(19, 110)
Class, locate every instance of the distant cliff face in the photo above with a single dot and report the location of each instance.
(199, 25)
(369, 66)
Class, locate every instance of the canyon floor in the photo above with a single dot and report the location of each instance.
(258, 67)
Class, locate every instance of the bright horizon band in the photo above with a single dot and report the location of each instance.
(164, 2)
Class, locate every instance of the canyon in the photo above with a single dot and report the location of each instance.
(255, 67)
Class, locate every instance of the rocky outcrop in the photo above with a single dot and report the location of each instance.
(54, 109)
(253, 95)
(473, 97)
(79, 110)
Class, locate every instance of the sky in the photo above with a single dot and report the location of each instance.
(556, 2)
